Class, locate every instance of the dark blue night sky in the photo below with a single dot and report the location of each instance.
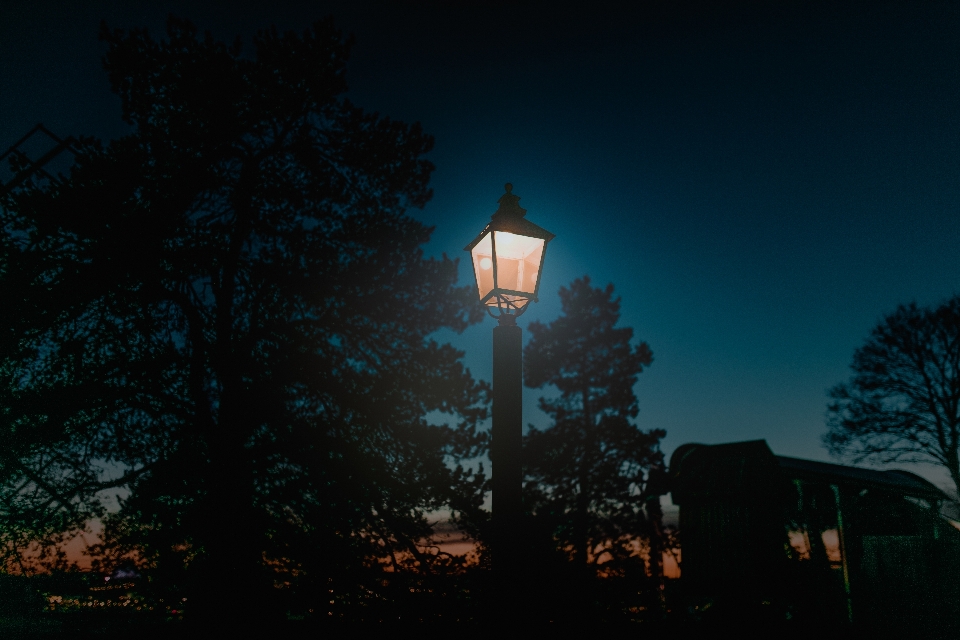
(761, 182)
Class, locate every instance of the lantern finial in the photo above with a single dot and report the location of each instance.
(509, 204)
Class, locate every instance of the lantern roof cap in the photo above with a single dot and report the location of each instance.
(509, 217)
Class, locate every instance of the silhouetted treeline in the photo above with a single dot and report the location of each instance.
(226, 313)
(901, 402)
(225, 316)
(593, 479)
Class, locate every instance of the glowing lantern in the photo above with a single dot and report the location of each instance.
(508, 257)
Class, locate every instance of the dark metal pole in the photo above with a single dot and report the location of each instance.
(505, 457)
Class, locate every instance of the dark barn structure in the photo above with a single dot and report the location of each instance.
(777, 538)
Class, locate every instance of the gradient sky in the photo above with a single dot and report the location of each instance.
(761, 182)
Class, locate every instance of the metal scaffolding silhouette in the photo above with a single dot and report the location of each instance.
(25, 166)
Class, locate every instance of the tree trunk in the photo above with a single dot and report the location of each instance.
(655, 517)
(226, 581)
(583, 498)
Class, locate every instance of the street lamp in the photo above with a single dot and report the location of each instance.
(507, 260)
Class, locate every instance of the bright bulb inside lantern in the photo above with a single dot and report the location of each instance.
(517, 265)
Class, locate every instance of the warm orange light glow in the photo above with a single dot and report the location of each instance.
(518, 261)
(482, 253)
(800, 544)
(517, 265)
(831, 543)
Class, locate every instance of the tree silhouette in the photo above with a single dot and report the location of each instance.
(227, 314)
(588, 473)
(902, 403)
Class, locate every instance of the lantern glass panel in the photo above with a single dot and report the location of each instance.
(482, 255)
(518, 262)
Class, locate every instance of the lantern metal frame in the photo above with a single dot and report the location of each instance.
(509, 218)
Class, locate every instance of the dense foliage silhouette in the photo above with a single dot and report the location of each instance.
(225, 315)
(902, 403)
(592, 478)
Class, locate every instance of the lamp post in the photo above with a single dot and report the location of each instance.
(507, 260)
